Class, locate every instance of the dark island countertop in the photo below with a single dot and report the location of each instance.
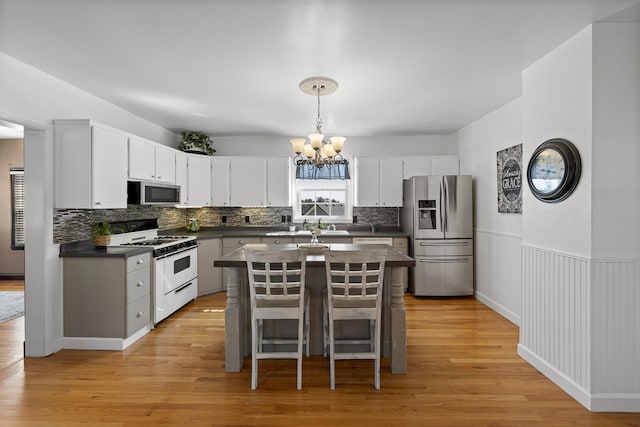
(263, 231)
(314, 259)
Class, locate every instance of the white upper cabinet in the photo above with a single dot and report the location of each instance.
(248, 183)
(378, 182)
(182, 176)
(198, 180)
(279, 181)
(220, 192)
(165, 164)
(151, 161)
(90, 165)
(431, 165)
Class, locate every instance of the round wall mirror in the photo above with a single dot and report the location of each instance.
(554, 170)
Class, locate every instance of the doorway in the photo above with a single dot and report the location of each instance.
(12, 263)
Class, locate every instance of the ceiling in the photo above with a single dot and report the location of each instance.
(232, 67)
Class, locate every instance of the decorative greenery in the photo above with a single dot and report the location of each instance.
(194, 141)
(102, 229)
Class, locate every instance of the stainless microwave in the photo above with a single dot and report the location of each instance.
(152, 193)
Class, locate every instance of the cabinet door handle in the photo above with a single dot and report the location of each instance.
(98, 203)
(140, 261)
(140, 283)
(159, 177)
(276, 242)
(241, 242)
(139, 314)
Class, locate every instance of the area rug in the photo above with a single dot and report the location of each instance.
(11, 305)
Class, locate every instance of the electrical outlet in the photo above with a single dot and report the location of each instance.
(355, 219)
(223, 218)
(246, 219)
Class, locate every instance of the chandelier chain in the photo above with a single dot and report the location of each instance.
(318, 119)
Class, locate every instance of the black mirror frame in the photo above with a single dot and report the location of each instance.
(573, 170)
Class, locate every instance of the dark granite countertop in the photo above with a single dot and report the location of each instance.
(86, 249)
(260, 231)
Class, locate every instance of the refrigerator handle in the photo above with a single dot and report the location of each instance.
(446, 203)
(442, 223)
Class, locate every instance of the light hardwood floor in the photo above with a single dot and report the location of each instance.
(463, 371)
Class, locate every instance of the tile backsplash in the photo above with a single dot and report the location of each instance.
(70, 225)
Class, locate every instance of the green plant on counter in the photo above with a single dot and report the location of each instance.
(101, 229)
(196, 142)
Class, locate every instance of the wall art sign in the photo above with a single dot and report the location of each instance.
(509, 163)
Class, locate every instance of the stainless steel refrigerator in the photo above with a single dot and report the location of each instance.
(437, 213)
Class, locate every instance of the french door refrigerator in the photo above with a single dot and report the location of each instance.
(437, 214)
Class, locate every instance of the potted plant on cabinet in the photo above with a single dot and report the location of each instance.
(101, 233)
(196, 142)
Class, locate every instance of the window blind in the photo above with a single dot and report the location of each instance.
(17, 208)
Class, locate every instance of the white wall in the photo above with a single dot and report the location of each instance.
(616, 136)
(557, 104)
(581, 263)
(32, 98)
(497, 235)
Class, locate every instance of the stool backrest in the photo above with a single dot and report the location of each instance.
(276, 277)
(355, 278)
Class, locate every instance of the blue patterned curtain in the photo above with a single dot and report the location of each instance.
(334, 172)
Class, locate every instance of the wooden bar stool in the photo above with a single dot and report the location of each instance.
(277, 291)
(354, 292)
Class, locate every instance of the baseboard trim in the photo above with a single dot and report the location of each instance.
(498, 308)
(93, 343)
(603, 402)
(561, 380)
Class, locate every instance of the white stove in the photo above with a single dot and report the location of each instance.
(175, 266)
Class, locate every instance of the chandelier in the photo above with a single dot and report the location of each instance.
(318, 153)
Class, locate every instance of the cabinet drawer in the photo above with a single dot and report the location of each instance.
(138, 284)
(138, 314)
(230, 244)
(277, 240)
(138, 261)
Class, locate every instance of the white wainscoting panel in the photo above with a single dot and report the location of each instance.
(580, 326)
(616, 328)
(498, 272)
(555, 319)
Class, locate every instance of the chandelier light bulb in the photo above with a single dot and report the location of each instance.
(329, 151)
(297, 144)
(316, 140)
(337, 142)
(309, 152)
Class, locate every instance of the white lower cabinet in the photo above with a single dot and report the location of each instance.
(209, 277)
(106, 298)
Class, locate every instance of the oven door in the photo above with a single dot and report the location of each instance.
(179, 268)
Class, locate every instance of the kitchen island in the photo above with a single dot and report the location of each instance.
(238, 315)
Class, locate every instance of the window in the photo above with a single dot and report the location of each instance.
(17, 208)
(326, 199)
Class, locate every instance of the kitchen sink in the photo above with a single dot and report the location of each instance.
(334, 232)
